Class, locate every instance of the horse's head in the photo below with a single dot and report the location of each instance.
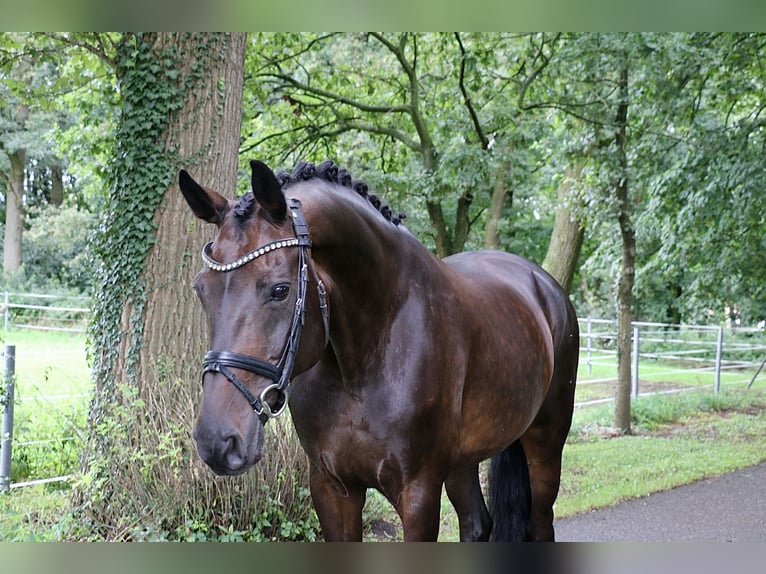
(265, 325)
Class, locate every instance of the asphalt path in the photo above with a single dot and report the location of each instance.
(727, 508)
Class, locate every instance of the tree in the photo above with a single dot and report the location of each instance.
(180, 104)
(628, 245)
(587, 82)
(24, 132)
(32, 115)
(436, 112)
(704, 223)
(568, 233)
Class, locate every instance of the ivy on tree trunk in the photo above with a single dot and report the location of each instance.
(180, 107)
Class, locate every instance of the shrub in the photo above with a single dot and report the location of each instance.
(150, 445)
(54, 248)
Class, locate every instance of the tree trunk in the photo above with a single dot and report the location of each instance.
(567, 236)
(147, 364)
(14, 213)
(57, 186)
(627, 270)
(497, 202)
(442, 238)
(448, 243)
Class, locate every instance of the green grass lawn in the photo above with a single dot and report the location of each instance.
(675, 440)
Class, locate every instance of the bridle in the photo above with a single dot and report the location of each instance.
(281, 373)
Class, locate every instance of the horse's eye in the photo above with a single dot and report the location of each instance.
(280, 292)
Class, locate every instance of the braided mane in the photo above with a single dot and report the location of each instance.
(327, 171)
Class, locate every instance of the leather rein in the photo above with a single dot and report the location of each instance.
(281, 373)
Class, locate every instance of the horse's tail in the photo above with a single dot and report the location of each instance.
(510, 498)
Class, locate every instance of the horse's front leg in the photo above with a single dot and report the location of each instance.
(418, 507)
(339, 508)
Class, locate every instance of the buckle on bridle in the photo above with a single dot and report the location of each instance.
(282, 397)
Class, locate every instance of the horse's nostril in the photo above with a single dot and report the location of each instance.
(232, 452)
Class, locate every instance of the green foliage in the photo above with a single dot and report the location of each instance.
(89, 93)
(425, 118)
(55, 263)
(54, 249)
(30, 110)
(695, 144)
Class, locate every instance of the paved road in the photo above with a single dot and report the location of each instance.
(728, 508)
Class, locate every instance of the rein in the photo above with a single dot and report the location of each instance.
(281, 373)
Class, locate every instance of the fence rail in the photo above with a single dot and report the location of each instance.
(671, 358)
(43, 428)
(38, 311)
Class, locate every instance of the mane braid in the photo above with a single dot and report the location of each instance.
(330, 172)
(245, 207)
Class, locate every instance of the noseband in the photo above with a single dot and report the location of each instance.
(281, 373)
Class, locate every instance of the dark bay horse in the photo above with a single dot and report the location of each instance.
(404, 371)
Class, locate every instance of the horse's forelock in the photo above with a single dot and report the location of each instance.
(244, 209)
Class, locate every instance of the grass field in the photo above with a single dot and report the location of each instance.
(52, 390)
(677, 438)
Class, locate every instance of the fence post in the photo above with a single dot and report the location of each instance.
(718, 355)
(6, 439)
(7, 309)
(634, 378)
(588, 347)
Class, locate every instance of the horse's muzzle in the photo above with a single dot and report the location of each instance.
(226, 451)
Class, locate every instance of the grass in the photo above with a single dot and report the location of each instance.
(677, 439)
(33, 514)
(52, 389)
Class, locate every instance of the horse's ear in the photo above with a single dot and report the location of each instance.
(205, 203)
(267, 191)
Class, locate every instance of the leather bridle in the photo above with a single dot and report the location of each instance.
(280, 374)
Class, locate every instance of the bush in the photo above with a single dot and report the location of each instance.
(150, 445)
(54, 249)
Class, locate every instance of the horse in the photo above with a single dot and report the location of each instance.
(402, 371)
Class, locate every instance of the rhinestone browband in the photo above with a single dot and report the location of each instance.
(247, 257)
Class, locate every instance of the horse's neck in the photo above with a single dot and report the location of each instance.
(368, 266)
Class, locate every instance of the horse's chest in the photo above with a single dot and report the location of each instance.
(356, 457)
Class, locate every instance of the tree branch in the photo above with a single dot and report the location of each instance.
(467, 99)
(426, 147)
(545, 60)
(319, 92)
(99, 48)
(391, 132)
(295, 55)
